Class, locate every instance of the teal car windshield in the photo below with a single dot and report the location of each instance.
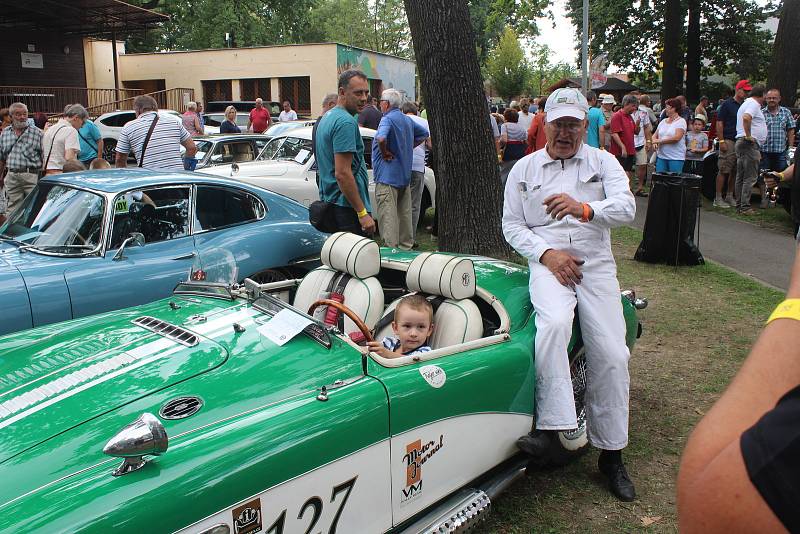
(57, 218)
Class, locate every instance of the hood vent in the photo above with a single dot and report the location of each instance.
(180, 408)
(170, 331)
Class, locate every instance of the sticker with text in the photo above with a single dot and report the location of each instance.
(433, 375)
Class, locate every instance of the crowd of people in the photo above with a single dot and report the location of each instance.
(752, 130)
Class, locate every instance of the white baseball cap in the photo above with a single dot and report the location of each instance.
(566, 102)
(608, 99)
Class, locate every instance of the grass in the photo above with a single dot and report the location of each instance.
(698, 328)
(775, 218)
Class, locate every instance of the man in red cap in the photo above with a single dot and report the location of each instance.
(726, 133)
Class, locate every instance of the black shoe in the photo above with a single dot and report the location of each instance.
(535, 443)
(618, 480)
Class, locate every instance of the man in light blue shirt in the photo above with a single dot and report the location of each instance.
(595, 135)
(91, 142)
(392, 155)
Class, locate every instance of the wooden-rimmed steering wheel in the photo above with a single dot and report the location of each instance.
(345, 310)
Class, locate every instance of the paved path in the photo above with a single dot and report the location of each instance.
(765, 255)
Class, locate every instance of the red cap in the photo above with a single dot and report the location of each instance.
(744, 84)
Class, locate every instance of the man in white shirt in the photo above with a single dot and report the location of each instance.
(60, 142)
(751, 134)
(288, 113)
(417, 166)
(560, 204)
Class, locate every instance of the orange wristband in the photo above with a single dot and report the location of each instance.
(585, 217)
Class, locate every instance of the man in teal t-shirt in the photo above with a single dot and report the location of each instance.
(596, 121)
(339, 152)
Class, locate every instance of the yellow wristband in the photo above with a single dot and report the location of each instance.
(781, 175)
(788, 309)
(361, 213)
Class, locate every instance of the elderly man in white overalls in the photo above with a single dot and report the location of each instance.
(560, 204)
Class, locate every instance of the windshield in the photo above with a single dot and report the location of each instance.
(202, 148)
(58, 218)
(270, 148)
(293, 149)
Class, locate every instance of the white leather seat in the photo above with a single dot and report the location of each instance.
(457, 319)
(360, 258)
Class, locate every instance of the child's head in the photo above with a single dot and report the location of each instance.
(413, 321)
(698, 125)
(99, 163)
(73, 165)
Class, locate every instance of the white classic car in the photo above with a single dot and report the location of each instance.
(287, 166)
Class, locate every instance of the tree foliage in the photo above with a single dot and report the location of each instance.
(632, 33)
(374, 25)
(543, 73)
(489, 19)
(507, 67)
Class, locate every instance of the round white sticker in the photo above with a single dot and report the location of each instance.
(433, 375)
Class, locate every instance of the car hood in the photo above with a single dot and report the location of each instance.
(73, 373)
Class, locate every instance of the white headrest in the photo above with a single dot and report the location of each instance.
(440, 274)
(357, 256)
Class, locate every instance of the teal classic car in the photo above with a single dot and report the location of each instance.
(253, 408)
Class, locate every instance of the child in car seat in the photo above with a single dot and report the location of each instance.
(412, 325)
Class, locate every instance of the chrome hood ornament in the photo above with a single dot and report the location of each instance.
(145, 436)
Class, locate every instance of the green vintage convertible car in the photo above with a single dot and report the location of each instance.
(253, 408)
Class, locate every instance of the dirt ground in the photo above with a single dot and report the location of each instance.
(698, 328)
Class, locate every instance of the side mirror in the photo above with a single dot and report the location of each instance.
(145, 436)
(135, 239)
(234, 168)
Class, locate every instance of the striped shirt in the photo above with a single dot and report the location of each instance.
(393, 344)
(777, 126)
(21, 152)
(164, 148)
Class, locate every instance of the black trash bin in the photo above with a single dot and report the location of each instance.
(672, 213)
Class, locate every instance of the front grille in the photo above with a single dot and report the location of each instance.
(170, 331)
(180, 408)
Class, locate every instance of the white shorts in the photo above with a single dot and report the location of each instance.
(641, 156)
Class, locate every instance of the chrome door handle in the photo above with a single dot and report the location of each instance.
(185, 256)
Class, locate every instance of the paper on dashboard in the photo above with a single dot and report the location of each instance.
(283, 326)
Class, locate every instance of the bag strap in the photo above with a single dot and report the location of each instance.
(52, 144)
(88, 142)
(147, 139)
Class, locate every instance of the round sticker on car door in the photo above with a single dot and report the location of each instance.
(433, 375)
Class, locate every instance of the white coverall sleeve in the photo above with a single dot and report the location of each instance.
(619, 206)
(515, 228)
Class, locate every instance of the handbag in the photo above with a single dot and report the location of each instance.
(321, 215)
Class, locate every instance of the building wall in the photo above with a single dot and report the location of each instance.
(59, 69)
(394, 72)
(190, 69)
(100, 63)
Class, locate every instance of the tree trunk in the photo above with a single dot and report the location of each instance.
(693, 53)
(468, 192)
(784, 69)
(672, 65)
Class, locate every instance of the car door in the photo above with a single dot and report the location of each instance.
(225, 225)
(140, 274)
(453, 418)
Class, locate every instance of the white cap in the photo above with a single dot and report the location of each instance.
(608, 99)
(566, 102)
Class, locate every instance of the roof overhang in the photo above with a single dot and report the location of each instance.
(90, 18)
